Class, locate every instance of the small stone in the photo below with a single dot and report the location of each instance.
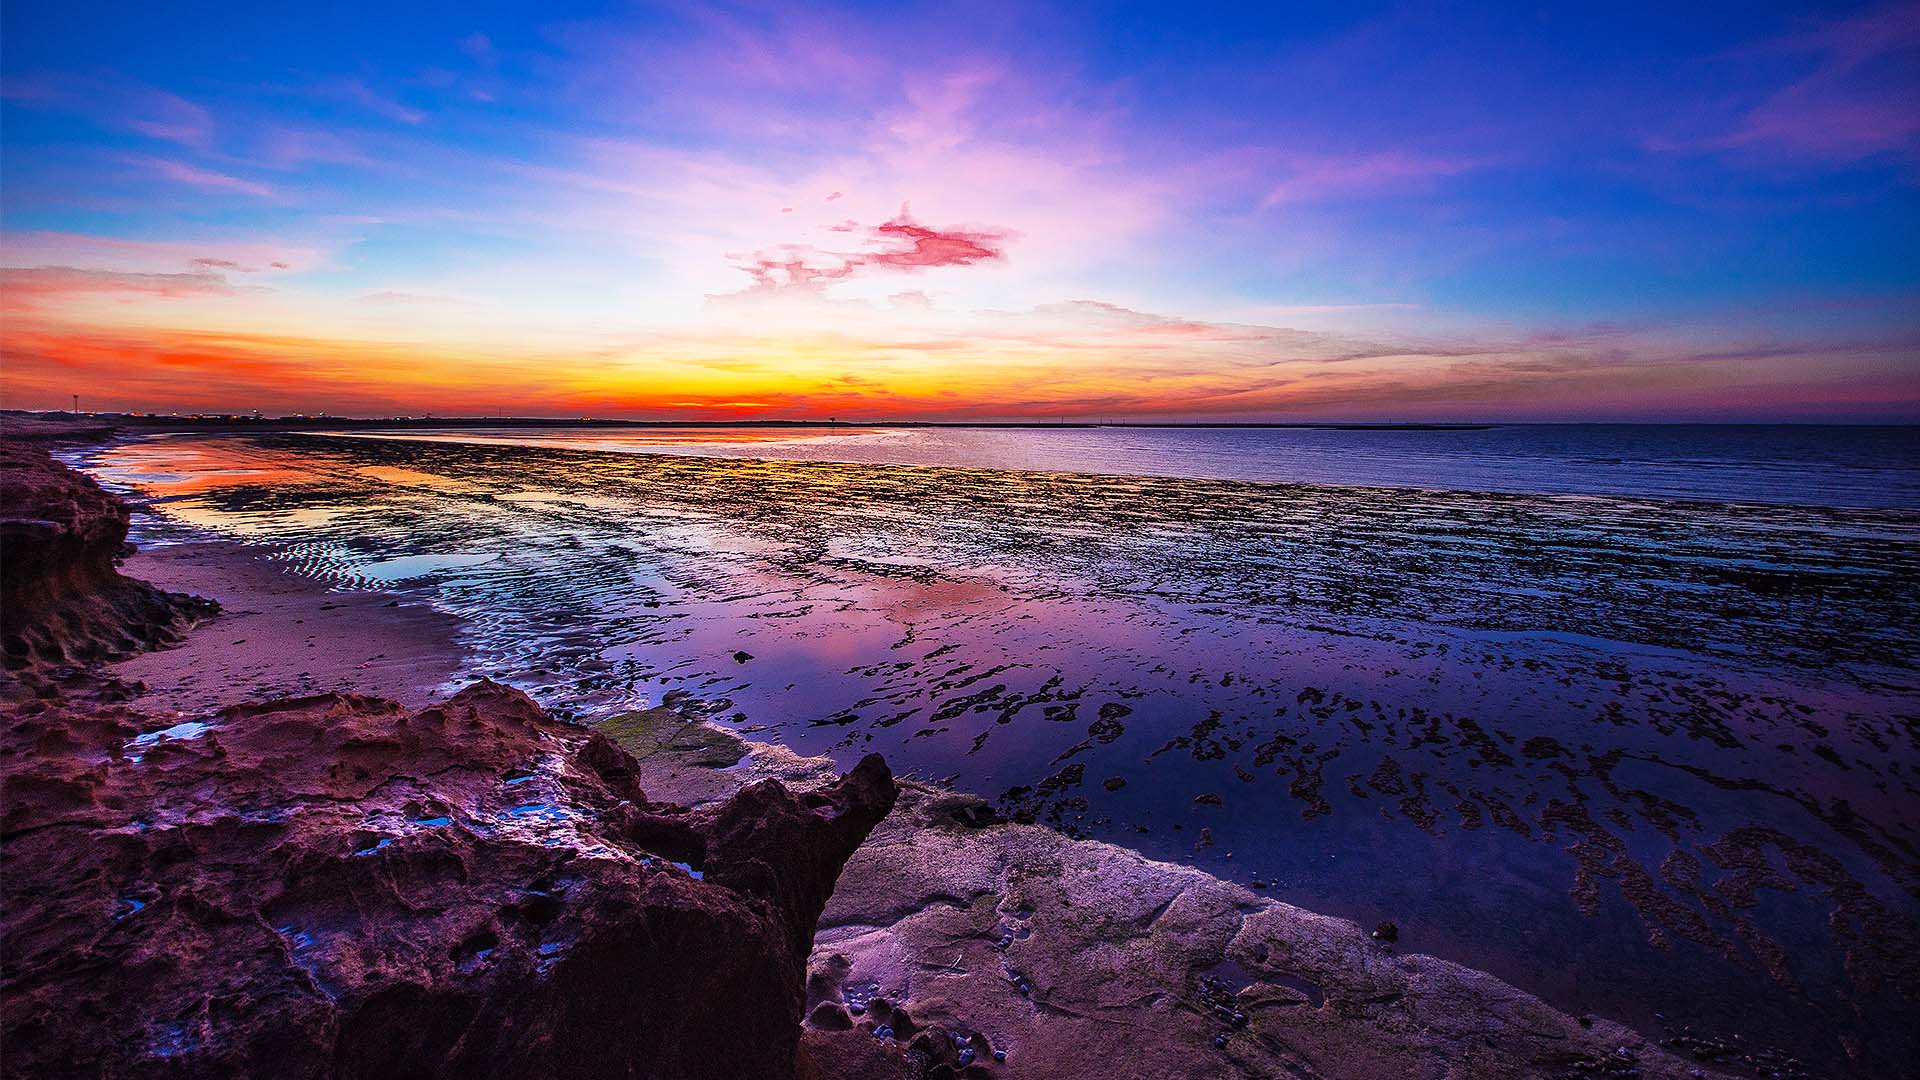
(742, 657)
(1387, 932)
(829, 1017)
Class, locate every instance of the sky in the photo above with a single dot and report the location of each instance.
(1000, 211)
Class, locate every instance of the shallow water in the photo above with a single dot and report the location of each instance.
(1639, 756)
(1805, 465)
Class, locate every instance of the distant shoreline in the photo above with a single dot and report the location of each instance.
(201, 422)
(20, 423)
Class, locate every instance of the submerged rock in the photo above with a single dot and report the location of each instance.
(336, 886)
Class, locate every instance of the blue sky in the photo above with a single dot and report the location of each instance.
(1351, 211)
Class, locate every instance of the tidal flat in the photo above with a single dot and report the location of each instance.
(1649, 758)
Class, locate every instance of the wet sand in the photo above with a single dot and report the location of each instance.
(280, 633)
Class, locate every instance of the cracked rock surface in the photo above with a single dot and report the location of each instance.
(336, 886)
(1010, 950)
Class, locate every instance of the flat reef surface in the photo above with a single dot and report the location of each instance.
(1650, 759)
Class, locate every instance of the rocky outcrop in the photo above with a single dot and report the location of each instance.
(957, 947)
(336, 886)
(62, 600)
(1076, 958)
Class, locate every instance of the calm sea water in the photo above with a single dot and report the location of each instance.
(1628, 716)
(1810, 465)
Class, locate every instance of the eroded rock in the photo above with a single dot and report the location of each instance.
(62, 599)
(336, 886)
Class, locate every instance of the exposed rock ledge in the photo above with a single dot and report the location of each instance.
(62, 599)
(1081, 959)
(334, 886)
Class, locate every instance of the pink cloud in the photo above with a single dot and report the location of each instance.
(160, 115)
(121, 104)
(900, 243)
(1851, 42)
(37, 287)
(1820, 120)
(1857, 102)
(915, 245)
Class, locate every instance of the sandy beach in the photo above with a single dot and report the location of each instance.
(280, 634)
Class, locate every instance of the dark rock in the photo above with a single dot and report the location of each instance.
(62, 599)
(1208, 799)
(335, 886)
(1387, 932)
(742, 657)
(830, 1016)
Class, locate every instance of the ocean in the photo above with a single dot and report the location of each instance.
(1626, 715)
(1807, 465)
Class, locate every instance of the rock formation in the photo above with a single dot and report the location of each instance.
(334, 886)
(954, 946)
(62, 600)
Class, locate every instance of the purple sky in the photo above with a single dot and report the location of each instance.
(1687, 212)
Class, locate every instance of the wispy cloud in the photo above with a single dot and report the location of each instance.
(1856, 101)
(1321, 177)
(40, 287)
(165, 116)
(117, 103)
(258, 256)
(179, 172)
(285, 148)
(357, 91)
